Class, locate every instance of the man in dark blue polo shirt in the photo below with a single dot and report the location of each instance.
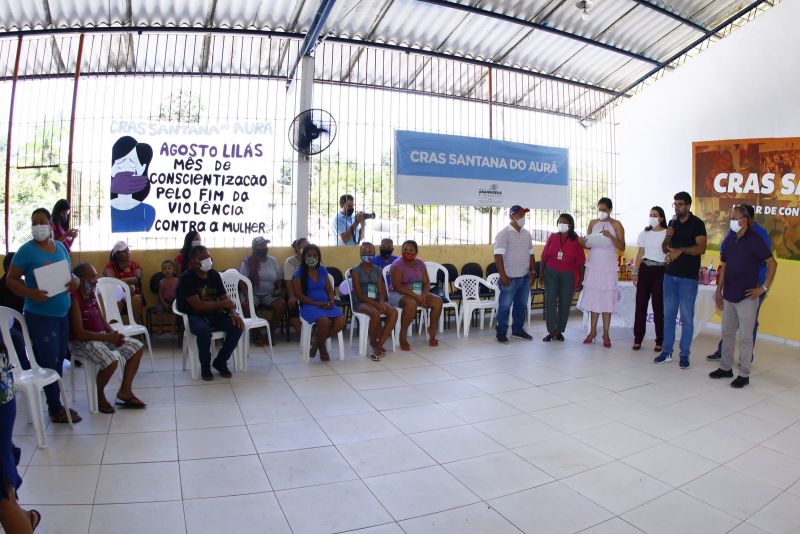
(684, 243)
(762, 275)
(738, 292)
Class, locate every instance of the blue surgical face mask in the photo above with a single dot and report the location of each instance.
(367, 259)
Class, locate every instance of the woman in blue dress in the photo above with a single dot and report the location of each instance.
(315, 293)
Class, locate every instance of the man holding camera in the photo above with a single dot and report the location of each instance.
(348, 226)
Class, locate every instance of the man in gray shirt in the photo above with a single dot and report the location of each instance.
(513, 255)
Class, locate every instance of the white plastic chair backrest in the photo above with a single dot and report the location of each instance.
(470, 286)
(249, 285)
(349, 280)
(230, 279)
(108, 289)
(433, 275)
(7, 317)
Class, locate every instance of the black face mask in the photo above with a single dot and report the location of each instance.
(262, 252)
(386, 252)
(349, 211)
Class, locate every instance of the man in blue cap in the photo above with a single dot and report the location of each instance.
(513, 255)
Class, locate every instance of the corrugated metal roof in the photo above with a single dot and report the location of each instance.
(476, 29)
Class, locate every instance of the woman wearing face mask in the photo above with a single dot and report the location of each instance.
(61, 230)
(562, 267)
(600, 285)
(267, 279)
(386, 256)
(411, 290)
(648, 277)
(190, 240)
(122, 267)
(369, 297)
(289, 267)
(45, 315)
(314, 291)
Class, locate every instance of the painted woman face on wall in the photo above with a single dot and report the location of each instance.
(128, 163)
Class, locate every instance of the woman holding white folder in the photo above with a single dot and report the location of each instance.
(46, 312)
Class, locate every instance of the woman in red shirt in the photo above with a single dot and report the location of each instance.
(562, 267)
(122, 267)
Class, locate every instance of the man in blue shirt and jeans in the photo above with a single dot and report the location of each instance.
(738, 293)
(348, 226)
(762, 273)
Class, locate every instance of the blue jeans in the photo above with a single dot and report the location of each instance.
(203, 326)
(50, 338)
(679, 293)
(518, 294)
(755, 328)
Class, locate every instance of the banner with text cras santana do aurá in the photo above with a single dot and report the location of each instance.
(170, 178)
(468, 171)
(764, 173)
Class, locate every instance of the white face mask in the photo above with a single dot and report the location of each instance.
(563, 228)
(521, 222)
(40, 232)
(735, 226)
(205, 265)
(654, 221)
(603, 215)
(197, 244)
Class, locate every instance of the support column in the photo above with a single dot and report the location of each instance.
(303, 175)
(7, 206)
(72, 122)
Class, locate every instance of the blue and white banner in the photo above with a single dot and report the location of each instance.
(469, 171)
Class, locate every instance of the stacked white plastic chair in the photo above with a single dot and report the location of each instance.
(433, 275)
(231, 280)
(471, 301)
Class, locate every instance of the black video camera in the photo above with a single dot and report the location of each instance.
(369, 216)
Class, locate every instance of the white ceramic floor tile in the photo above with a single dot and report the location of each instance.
(747, 528)
(284, 409)
(208, 416)
(394, 398)
(612, 526)
(774, 412)
(373, 380)
(571, 418)
(615, 381)
(787, 442)
(421, 418)
(266, 391)
(552, 508)
(336, 508)
(389, 528)
(769, 466)
(141, 447)
(480, 409)
(531, 399)
(419, 492)
(244, 514)
(617, 487)
(423, 375)
(337, 404)
(65, 519)
(451, 390)
(306, 467)
(713, 444)
(218, 477)
(732, 492)
(780, 515)
(214, 442)
(678, 512)
(472, 519)
(357, 427)
(517, 430)
(661, 424)
(471, 369)
(153, 518)
(541, 375)
(747, 427)
(71, 450)
(495, 475)
(47, 484)
(91, 423)
(288, 435)
(563, 457)
(654, 395)
(617, 440)
(144, 482)
(457, 443)
(615, 406)
(319, 385)
(384, 456)
(301, 370)
(577, 390)
(151, 419)
(671, 464)
(498, 383)
(204, 394)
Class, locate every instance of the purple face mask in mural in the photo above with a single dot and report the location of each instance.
(127, 183)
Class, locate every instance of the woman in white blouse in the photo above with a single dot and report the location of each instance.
(648, 277)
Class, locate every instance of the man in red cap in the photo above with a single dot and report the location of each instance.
(513, 254)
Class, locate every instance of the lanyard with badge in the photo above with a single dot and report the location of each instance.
(560, 255)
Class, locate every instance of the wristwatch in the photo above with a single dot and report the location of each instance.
(765, 288)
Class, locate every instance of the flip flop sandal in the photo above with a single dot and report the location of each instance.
(405, 346)
(36, 518)
(374, 357)
(131, 402)
(106, 408)
(61, 417)
(433, 342)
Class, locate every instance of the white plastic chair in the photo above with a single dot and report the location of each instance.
(433, 275)
(305, 335)
(363, 321)
(494, 281)
(31, 382)
(470, 298)
(107, 289)
(231, 279)
(424, 313)
(90, 370)
(190, 344)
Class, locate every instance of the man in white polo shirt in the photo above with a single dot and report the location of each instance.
(513, 255)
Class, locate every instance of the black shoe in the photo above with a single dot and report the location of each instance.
(548, 338)
(714, 356)
(502, 339)
(740, 382)
(522, 334)
(205, 374)
(719, 373)
(559, 337)
(222, 369)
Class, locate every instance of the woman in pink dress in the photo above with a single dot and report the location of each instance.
(600, 289)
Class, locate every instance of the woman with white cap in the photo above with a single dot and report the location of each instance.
(266, 276)
(122, 267)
